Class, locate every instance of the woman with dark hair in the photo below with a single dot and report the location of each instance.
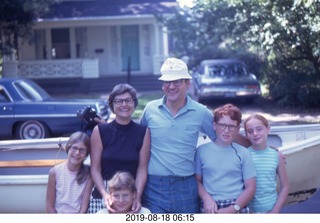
(121, 145)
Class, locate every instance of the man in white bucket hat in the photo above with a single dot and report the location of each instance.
(175, 122)
(174, 69)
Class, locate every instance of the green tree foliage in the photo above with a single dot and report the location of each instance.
(16, 20)
(279, 38)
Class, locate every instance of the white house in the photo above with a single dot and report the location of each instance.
(87, 39)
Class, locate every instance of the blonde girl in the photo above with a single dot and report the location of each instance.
(269, 164)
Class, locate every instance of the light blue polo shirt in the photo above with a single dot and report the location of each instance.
(174, 138)
(224, 169)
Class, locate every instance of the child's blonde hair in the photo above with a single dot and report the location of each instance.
(121, 180)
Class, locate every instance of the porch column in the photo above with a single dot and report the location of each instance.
(165, 43)
(159, 52)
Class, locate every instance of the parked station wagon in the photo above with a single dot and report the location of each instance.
(223, 79)
(27, 111)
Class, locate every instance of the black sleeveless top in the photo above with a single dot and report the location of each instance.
(121, 147)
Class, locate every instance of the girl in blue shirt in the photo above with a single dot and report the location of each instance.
(269, 164)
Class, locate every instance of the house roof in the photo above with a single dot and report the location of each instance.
(106, 8)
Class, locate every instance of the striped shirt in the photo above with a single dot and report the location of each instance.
(69, 193)
(266, 163)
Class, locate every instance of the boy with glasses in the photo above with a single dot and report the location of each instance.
(225, 170)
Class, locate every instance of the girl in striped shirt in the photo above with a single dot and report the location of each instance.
(69, 184)
(269, 164)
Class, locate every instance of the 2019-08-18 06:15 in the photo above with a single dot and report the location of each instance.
(160, 217)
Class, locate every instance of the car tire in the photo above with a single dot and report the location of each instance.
(32, 130)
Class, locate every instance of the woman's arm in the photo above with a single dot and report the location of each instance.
(95, 156)
(51, 192)
(142, 171)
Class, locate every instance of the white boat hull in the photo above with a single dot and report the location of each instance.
(23, 190)
(23, 193)
(303, 165)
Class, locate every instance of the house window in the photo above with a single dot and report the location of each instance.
(60, 43)
(40, 44)
(81, 42)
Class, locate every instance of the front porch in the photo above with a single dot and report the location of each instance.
(80, 75)
(65, 68)
(86, 68)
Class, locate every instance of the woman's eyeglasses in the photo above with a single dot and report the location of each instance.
(120, 101)
(223, 126)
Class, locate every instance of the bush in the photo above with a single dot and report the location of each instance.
(294, 89)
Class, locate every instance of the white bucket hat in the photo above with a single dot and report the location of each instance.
(174, 69)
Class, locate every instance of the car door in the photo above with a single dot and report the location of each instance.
(6, 113)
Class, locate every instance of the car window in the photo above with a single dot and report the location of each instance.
(30, 92)
(3, 95)
(225, 70)
(240, 70)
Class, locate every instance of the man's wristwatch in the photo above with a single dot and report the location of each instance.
(236, 207)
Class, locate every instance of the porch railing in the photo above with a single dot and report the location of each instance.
(86, 68)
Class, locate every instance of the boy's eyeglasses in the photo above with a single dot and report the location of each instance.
(223, 126)
(176, 83)
(120, 101)
(82, 151)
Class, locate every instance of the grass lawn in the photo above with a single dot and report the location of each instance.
(143, 100)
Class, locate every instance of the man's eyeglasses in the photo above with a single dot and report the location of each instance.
(82, 151)
(223, 126)
(120, 101)
(176, 83)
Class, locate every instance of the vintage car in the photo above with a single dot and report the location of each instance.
(27, 111)
(225, 79)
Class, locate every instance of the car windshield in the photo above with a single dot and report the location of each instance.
(31, 91)
(225, 70)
